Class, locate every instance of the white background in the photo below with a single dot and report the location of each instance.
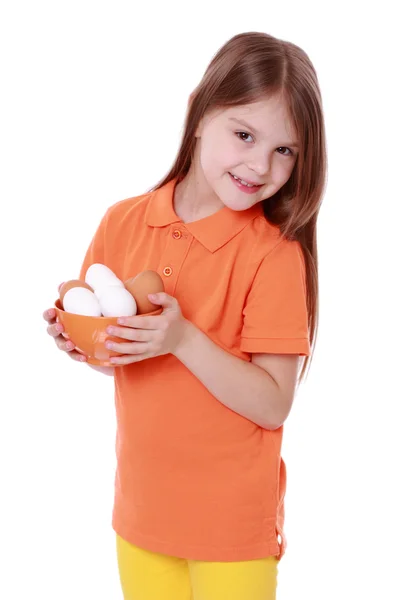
(92, 106)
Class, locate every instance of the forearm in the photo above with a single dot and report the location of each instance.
(242, 386)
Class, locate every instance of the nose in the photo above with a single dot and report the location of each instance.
(260, 162)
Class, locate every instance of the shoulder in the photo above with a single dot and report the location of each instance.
(270, 246)
(127, 209)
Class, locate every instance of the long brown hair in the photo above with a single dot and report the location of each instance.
(250, 67)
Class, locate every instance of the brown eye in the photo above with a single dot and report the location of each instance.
(240, 133)
(280, 147)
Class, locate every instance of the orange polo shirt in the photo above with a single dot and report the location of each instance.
(194, 479)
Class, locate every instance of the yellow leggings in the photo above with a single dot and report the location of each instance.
(147, 575)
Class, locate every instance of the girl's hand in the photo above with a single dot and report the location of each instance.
(55, 330)
(66, 345)
(149, 336)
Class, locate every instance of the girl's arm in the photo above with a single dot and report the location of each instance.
(246, 388)
(261, 390)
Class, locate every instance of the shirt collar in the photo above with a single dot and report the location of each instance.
(213, 231)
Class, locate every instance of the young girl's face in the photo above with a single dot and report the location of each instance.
(253, 142)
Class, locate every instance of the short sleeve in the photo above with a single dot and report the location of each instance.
(275, 318)
(96, 252)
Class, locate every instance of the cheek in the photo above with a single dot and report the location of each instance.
(282, 171)
(218, 156)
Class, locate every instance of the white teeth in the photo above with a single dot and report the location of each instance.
(242, 181)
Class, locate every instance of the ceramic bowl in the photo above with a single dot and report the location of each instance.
(89, 334)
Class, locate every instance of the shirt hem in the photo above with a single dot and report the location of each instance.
(276, 345)
(220, 554)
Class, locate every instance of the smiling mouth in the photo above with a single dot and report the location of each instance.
(244, 182)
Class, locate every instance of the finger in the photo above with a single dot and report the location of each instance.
(132, 348)
(129, 333)
(69, 347)
(163, 299)
(63, 344)
(128, 359)
(142, 322)
(55, 329)
(49, 315)
(77, 356)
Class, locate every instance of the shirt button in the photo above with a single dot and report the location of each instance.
(176, 234)
(167, 271)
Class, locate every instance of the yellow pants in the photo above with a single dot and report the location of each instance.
(147, 575)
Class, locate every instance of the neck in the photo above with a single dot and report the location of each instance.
(194, 199)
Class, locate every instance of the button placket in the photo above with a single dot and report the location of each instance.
(173, 256)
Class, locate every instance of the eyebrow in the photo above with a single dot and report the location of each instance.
(244, 124)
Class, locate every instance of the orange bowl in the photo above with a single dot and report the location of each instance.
(89, 334)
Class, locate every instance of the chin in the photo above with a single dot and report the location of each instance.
(238, 207)
(240, 203)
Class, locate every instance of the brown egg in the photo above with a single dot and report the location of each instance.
(147, 282)
(72, 283)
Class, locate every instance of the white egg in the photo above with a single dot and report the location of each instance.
(116, 301)
(81, 301)
(98, 291)
(99, 276)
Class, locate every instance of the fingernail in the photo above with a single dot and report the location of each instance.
(69, 345)
(109, 345)
(59, 327)
(82, 358)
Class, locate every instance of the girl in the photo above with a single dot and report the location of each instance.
(203, 389)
